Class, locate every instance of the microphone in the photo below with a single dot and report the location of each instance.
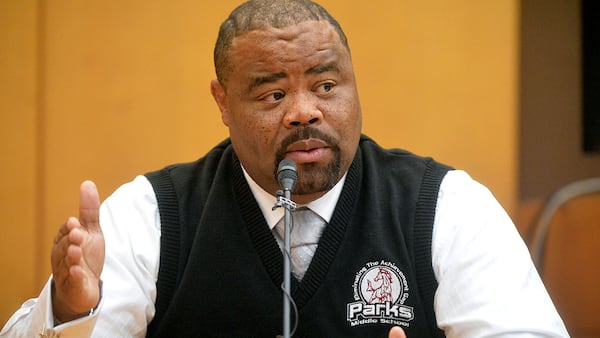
(287, 174)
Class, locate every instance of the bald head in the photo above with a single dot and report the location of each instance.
(257, 14)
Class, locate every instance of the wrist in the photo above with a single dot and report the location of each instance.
(65, 315)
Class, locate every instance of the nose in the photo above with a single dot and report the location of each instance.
(302, 109)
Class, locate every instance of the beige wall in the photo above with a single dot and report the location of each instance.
(106, 90)
(19, 202)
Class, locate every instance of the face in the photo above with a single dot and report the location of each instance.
(292, 94)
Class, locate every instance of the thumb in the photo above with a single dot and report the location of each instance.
(89, 206)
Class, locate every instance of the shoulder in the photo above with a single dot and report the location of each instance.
(394, 157)
(212, 157)
(197, 174)
(459, 191)
(399, 167)
(137, 191)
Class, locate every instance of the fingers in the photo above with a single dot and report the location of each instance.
(66, 251)
(397, 332)
(70, 232)
(89, 206)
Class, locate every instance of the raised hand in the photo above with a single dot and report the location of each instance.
(77, 259)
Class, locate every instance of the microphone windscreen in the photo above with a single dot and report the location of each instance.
(287, 174)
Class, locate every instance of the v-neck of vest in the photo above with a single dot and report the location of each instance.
(268, 250)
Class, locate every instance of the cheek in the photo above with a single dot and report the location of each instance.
(253, 131)
(345, 115)
(347, 121)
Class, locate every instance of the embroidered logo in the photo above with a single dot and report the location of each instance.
(380, 290)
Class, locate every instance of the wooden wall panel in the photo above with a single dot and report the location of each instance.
(127, 91)
(551, 99)
(19, 244)
(439, 78)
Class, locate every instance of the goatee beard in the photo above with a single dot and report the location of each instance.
(312, 177)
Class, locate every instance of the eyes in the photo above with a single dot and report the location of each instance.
(322, 89)
(276, 96)
(326, 87)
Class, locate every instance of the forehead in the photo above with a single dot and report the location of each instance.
(307, 41)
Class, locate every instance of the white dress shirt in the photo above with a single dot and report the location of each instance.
(488, 286)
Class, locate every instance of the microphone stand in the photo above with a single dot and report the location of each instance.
(287, 174)
(287, 285)
(284, 200)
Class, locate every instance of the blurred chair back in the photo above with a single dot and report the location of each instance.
(566, 250)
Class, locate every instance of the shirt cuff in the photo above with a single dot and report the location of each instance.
(81, 327)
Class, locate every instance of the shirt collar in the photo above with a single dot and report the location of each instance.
(323, 206)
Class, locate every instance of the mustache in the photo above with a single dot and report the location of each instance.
(303, 133)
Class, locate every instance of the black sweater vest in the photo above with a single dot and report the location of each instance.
(221, 269)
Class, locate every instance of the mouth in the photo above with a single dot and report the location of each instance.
(307, 150)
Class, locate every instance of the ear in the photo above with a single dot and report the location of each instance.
(220, 96)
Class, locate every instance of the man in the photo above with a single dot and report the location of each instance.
(194, 249)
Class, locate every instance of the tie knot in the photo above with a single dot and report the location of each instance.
(304, 217)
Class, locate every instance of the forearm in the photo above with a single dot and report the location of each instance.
(130, 222)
